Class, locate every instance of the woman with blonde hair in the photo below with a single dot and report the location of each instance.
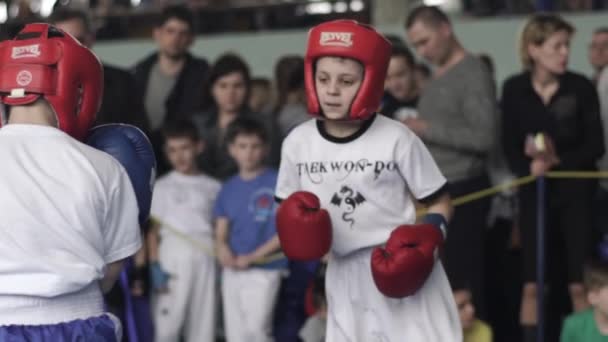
(548, 99)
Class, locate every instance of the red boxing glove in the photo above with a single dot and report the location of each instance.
(304, 228)
(401, 268)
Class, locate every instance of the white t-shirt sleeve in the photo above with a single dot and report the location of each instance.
(158, 206)
(288, 181)
(121, 233)
(418, 168)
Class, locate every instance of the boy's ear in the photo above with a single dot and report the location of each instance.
(592, 296)
(200, 146)
(166, 150)
(231, 149)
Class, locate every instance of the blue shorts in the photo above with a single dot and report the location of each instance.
(97, 329)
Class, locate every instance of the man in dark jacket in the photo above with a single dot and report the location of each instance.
(171, 79)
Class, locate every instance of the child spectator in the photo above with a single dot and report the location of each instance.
(245, 235)
(590, 325)
(473, 329)
(400, 88)
(184, 303)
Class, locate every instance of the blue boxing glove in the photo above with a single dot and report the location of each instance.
(130, 146)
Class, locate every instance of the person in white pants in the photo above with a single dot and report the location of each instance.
(246, 235)
(183, 270)
(248, 298)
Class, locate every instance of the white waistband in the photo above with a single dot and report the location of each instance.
(30, 310)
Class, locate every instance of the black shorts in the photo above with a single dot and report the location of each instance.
(568, 220)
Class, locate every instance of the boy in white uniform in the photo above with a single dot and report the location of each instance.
(185, 301)
(69, 211)
(362, 168)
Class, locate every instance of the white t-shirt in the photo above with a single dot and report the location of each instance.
(67, 211)
(185, 203)
(364, 181)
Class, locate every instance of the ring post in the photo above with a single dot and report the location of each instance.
(540, 257)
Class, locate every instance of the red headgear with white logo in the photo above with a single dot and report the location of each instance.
(350, 39)
(43, 61)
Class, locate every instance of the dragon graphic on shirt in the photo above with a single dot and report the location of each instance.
(348, 200)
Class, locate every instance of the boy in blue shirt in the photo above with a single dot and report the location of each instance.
(245, 234)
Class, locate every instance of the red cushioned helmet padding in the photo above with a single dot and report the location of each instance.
(350, 39)
(43, 61)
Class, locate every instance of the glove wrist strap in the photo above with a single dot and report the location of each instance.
(438, 221)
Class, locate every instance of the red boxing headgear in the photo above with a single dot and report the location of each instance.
(43, 61)
(350, 39)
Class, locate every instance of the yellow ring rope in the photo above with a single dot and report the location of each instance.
(205, 249)
(455, 202)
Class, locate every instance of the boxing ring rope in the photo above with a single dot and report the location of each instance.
(540, 226)
(206, 249)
